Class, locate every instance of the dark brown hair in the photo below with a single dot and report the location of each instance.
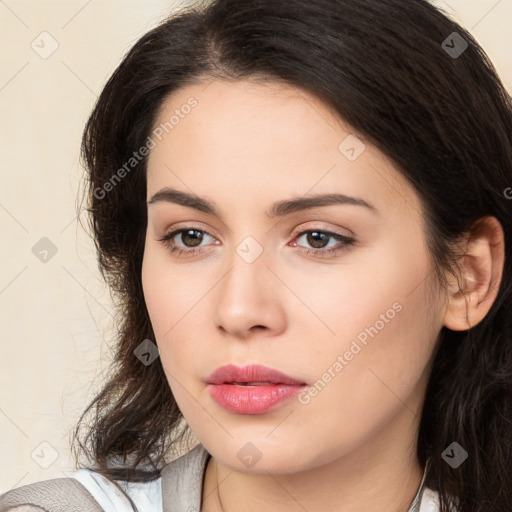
(395, 71)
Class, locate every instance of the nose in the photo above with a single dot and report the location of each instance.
(249, 299)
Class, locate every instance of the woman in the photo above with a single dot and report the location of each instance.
(303, 210)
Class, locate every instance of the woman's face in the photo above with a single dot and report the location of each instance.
(272, 282)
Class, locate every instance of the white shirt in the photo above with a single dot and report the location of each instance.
(146, 496)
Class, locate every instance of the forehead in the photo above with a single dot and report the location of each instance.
(255, 138)
(243, 112)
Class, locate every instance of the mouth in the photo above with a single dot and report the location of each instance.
(252, 389)
(252, 397)
(253, 383)
(252, 375)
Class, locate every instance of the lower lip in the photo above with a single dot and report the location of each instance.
(252, 399)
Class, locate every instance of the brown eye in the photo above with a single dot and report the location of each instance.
(186, 241)
(191, 237)
(320, 241)
(317, 239)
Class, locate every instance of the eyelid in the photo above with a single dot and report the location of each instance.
(190, 225)
(346, 241)
(315, 225)
(318, 226)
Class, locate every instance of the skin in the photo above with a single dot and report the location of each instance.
(352, 447)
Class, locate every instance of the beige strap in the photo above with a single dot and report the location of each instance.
(57, 495)
(182, 481)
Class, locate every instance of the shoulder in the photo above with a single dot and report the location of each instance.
(84, 491)
(147, 496)
(25, 508)
(182, 480)
(49, 495)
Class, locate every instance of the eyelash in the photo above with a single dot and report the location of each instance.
(347, 242)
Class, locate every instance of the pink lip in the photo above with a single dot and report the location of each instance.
(226, 389)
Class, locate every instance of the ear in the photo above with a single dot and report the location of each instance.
(470, 299)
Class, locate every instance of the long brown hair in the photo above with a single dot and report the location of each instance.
(436, 108)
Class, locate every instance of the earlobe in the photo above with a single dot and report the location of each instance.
(470, 297)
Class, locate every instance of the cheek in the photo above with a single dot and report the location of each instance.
(379, 294)
(385, 336)
(168, 292)
(173, 301)
(160, 295)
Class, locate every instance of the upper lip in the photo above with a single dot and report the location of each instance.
(251, 373)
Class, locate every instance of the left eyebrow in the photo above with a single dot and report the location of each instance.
(278, 209)
(296, 204)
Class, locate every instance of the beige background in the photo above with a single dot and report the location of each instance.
(56, 319)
